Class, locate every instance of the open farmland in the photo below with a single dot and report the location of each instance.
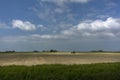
(107, 71)
(57, 58)
(29, 66)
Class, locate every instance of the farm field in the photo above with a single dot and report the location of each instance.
(30, 59)
(101, 71)
(59, 66)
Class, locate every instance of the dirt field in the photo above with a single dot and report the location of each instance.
(57, 58)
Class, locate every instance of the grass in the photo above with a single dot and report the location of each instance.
(102, 71)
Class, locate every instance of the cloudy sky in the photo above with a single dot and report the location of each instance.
(84, 25)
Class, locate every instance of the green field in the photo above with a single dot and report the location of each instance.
(101, 71)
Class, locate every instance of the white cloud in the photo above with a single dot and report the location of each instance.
(97, 25)
(42, 28)
(108, 28)
(44, 36)
(27, 26)
(97, 34)
(63, 2)
(49, 36)
(98, 28)
(80, 1)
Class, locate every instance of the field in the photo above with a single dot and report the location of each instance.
(107, 71)
(29, 59)
(60, 66)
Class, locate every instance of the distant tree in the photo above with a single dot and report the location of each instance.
(93, 51)
(53, 50)
(35, 51)
(73, 52)
(10, 51)
(100, 51)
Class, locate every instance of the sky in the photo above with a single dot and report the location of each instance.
(65, 25)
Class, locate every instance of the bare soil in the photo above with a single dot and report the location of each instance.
(29, 59)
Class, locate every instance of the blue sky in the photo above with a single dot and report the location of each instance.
(84, 25)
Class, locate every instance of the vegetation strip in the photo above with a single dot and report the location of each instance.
(101, 71)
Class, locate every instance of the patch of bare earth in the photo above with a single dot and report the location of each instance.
(63, 58)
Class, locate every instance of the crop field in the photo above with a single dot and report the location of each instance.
(59, 66)
(101, 71)
(29, 59)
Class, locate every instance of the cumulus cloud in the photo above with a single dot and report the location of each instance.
(98, 28)
(23, 25)
(100, 34)
(109, 28)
